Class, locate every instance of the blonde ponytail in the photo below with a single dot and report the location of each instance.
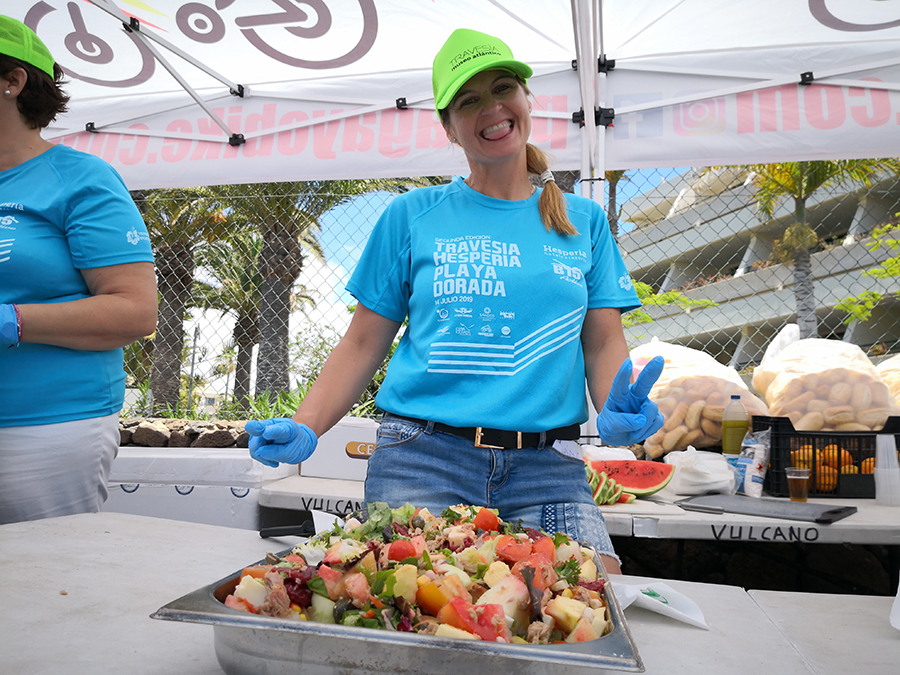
(552, 204)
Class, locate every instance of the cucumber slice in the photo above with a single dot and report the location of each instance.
(322, 609)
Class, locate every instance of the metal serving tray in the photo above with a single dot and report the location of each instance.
(249, 644)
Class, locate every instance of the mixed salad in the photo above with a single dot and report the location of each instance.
(463, 573)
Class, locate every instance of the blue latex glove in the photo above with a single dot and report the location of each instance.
(9, 326)
(280, 440)
(628, 416)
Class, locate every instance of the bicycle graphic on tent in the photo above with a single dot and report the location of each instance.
(204, 24)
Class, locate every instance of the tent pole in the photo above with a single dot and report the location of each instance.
(600, 94)
(581, 18)
(111, 9)
(193, 94)
(773, 81)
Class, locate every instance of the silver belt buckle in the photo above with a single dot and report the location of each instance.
(478, 443)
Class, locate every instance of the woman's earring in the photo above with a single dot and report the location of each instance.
(7, 93)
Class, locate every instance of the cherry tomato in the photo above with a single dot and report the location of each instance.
(544, 574)
(512, 549)
(486, 520)
(546, 546)
(401, 549)
(486, 621)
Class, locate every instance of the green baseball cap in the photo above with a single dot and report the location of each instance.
(467, 53)
(20, 42)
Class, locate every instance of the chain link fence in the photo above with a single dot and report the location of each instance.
(725, 251)
(252, 277)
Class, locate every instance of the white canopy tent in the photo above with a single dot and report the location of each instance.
(214, 92)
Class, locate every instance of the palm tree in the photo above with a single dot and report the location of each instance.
(231, 264)
(178, 222)
(225, 364)
(288, 215)
(138, 359)
(799, 180)
(235, 289)
(612, 209)
(566, 180)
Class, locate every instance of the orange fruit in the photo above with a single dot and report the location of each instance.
(868, 465)
(849, 468)
(804, 457)
(826, 478)
(834, 457)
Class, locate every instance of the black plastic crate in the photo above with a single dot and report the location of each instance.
(786, 440)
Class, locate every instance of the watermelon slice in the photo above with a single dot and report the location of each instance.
(616, 494)
(593, 477)
(626, 498)
(639, 477)
(601, 487)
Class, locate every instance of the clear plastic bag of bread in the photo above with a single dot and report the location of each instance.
(824, 385)
(691, 394)
(889, 372)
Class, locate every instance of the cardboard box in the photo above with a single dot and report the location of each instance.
(231, 467)
(207, 504)
(343, 452)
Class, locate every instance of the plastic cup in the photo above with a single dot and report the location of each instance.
(887, 486)
(798, 483)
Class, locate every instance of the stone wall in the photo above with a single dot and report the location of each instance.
(174, 433)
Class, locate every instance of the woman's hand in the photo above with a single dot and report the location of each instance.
(348, 370)
(629, 416)
(343, 378)
(280, 440)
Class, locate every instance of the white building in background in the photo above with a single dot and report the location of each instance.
(701, 234)
(208, 401)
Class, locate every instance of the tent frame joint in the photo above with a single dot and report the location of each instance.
(236, 139)
(604, 65)
(91, 128)
(133, 25)
(239, 92)
(807, 78)
(401, 103)
(604, 116)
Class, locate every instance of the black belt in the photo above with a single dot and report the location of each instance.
(498, 438)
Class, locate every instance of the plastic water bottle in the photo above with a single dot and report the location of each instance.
(887, 471)
(735, 423)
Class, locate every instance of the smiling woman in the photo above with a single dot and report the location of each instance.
(490, 119)
(513, 297)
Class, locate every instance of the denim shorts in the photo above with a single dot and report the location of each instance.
(539, 485)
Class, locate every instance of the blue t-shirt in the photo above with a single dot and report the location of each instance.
(61, 212)
(495, 305)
